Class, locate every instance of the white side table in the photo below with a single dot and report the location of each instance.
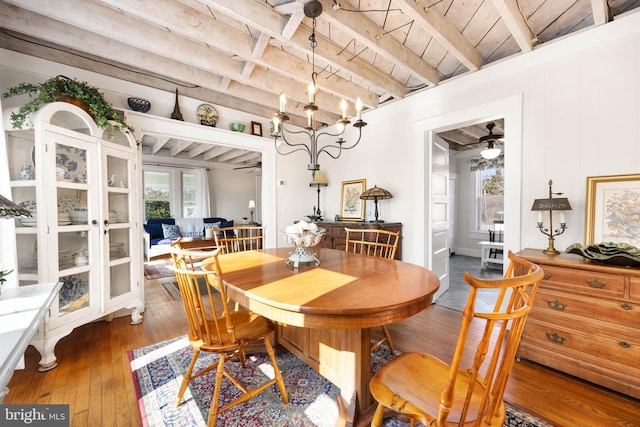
(22, 310)
(485, 250)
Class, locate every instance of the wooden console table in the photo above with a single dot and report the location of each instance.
(335, 237)
(22, 310)
(585, 321)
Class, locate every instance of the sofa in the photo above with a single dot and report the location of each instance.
(160, 232)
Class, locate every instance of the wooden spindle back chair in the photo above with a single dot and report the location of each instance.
(469, 391)
(239, 238)
(378, 243)
(215, 328)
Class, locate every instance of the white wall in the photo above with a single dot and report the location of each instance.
(580, 117)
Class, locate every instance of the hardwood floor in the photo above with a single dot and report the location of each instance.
(93, 374)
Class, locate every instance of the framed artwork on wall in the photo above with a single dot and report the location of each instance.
(351, 207)
(256, 128)
(612, 209)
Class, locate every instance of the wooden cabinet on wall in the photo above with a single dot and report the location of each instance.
(585, 321)
(82, 188)
(335, 237)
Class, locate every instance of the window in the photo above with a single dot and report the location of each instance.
(157, 190)
(171, 192)
(188, 195)
(490, 193)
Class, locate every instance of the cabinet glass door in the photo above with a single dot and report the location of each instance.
(120, 216)
(75, 238)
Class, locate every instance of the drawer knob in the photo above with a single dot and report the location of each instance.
(556, 305)
(595, 283)
(624, 344)
(625, 306)
(555, 338)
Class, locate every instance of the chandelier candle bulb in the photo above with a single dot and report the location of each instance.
(562, 218)
(283, 101)
(539, 217)
(359, 108)
(311, 93)
(343, 106)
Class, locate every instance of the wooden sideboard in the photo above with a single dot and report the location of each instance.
(335, 237)
(585, 321)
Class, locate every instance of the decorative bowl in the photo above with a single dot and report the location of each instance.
(237, 127)
(302, 241)
(139, 104)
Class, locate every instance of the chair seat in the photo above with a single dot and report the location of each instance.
(247, 326)
(417, 393)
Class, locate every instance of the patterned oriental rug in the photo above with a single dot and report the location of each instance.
(157, 371)
(158, 269)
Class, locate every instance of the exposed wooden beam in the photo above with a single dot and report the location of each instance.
(443, 31)
(600, 11)
(515, 22)
(261, 17)
(371, 35)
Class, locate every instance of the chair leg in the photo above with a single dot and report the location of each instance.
(187, 377)
(214, 407)
(387, 339)
(387, 336)
(276, 369)
(378, 416)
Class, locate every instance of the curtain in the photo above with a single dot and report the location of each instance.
(203, 200)
(480, 163)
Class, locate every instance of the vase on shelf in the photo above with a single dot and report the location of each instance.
(26, 172)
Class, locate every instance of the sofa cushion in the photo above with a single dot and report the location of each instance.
(154, 230)
(161, 241)
(213, 220)
(170, 221)
(226, 224)
(170, 231)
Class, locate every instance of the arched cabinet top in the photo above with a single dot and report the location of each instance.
(74, 118)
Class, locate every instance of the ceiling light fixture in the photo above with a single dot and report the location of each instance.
(490, 152)
(313, 9)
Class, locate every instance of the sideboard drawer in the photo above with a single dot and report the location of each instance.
(549, 302)
(614, 348)
(585, 282)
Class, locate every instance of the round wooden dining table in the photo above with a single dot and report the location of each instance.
(325, 313)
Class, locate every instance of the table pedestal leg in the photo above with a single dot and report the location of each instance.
(343, 356)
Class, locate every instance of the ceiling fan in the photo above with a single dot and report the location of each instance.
(256, 166)
(491, 152)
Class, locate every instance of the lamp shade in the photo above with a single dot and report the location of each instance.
(318, 179)
(558, 204)
(375, 193)
(8, 209)
(252, 204)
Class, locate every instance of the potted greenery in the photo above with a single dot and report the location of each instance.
(3, 275)
(61, 88)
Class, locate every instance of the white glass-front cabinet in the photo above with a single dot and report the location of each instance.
(83, 191)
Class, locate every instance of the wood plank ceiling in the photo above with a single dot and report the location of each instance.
(242, 53)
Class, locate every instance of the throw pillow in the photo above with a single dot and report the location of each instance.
(211, 225)
(170, 231)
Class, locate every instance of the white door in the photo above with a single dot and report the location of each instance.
(439, 207)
